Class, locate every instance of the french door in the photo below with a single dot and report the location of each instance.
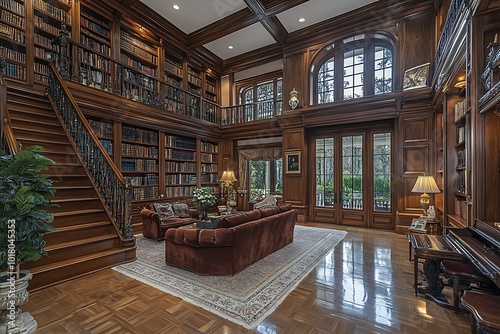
(353, 178)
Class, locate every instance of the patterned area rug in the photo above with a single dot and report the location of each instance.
(247, 297)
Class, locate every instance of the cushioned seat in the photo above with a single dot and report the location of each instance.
(157, 218)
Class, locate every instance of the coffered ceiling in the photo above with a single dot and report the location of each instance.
(229, 28)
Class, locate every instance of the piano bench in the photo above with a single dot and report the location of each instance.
(484, 317)
(462, 275)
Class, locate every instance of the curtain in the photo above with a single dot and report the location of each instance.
(265, 153)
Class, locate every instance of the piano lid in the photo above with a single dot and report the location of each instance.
(480, 244)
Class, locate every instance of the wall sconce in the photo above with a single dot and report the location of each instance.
(425, 185)
(294, 101)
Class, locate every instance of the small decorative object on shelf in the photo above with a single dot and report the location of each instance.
(294, 101)
(204, 199)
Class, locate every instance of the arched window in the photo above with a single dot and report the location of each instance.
(352, 68)
(263, 99)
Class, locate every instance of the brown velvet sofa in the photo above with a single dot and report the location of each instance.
(157, 218)
(240, 240)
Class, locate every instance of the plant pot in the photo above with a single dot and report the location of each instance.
(13, 295)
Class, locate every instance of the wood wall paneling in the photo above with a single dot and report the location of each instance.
(419, 39)
(492, 171)
(416, 159)
(415, 129)
(295, 75)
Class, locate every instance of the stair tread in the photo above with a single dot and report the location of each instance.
(73, 187)
(73, 199)
(80, 227)
(77, 260)
(39, 131)
(80, 242)
(76, 212)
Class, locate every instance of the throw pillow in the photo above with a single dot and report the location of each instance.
(164, 210)
(181, 210)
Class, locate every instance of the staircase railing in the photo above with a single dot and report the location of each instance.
(7, 140)
(115, 190)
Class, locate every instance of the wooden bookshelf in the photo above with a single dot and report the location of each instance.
(49, 15)
(94, 61)
(139, 161)
(180, 166)
(138, 53)
(104, 131)
(13, 38)
(209, 166)
(174, 77)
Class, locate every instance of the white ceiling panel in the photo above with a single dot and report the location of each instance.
(194, 14)
(315, 11)
(244, 40)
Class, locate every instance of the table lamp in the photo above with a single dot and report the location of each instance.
(228, 179)
(425, 185)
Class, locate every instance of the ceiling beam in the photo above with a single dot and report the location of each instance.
(263, 11)
(271, 23)
(128, 2)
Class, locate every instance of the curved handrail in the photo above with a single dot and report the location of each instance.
(115, 191)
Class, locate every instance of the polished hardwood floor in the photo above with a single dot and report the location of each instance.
(363, 286)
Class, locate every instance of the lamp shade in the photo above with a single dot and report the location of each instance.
(228, 176)
(426, 184)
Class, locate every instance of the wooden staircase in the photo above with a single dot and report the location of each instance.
(85, 239)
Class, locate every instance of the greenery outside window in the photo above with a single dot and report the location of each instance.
(382, 172)
(266, 178)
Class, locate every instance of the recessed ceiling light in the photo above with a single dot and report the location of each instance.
(302, 20)
(230, 47)
(176, 7)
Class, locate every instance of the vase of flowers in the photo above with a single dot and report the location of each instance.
(204, 199)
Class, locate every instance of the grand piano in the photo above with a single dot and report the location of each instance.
(478, 244)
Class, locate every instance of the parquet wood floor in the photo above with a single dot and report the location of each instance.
(363, 286)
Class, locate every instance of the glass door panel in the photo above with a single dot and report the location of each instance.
(325, 168)
(382, 172)
(352, 172)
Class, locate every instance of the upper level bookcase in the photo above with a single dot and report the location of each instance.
(13, 37)
(138, 53)
(95, 35)
(49, 15)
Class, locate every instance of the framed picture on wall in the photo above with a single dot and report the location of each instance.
(416, 77)
(292, 162)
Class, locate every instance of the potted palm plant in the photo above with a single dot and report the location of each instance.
(24, 194)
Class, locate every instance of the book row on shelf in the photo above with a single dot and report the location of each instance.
(183, 191)
(15, 71)
(131, 75)
(41, 78)
(12, 18)
(42, 53)
(174, 106)
(139, 165)
(40, 23)
(13, 55)
(94, 26)
(460, 109)
(146, 180)
(209, 147)
(12, 33)
(212, 168)
(180, 142)
(41, 69)
(194, 78)
(126, 37)
(172, 153)
(54, 11)
(461, 158)
(95, 78)
(96, 46)
(94, 60)
(173, 166)
(13, 6)
(209, 178)
(108, 145)
(209, 157)
(102, 129)
(144, 193)
(173, 68)
(135, 134)
(139, 150)
(172, 179)
(460, 134)
(43, 41)
(462, 186)
(84, 14)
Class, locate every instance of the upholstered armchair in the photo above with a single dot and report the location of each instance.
(157, 218)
